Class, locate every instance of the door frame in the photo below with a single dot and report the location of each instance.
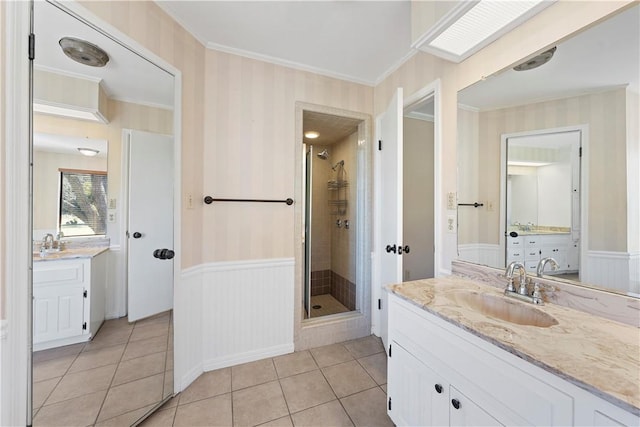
(15, 327)
(433, 89)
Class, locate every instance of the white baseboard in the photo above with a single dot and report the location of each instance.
(190, 376)
(250, 356)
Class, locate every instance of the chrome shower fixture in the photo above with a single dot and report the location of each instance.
(324, 154)
(84, 52)
(340, 163)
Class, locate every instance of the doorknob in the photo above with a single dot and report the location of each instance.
(164, 254)
(137, 235)
(391, 249)
(404, 249)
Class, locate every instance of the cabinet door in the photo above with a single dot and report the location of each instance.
(418, 395)
(464, 412)
(57, 312)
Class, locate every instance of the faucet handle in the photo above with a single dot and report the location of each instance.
(536, 296)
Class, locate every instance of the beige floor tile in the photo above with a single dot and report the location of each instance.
(42, 390)
(368, 408)
(58, 352)
(81, 411)
(81, 383)
(94, 359)
(51, 368)
(280, 422)
(145, 347)
(119, 323)
(214, 411)
(348, 378)
(171, 403)
(383, 387)
(140, 367)
(126, 419)
(294, 363)
(158, 318)
(209, 384)
(167, 388)
(149, 331)
(161, 417)
(376, 366)
(108, 339)
(364, 346)
(331, 355)
(131, 396)
(258, 404)
(328, 414)
(253, 373)
(170, 358)
(306, 390)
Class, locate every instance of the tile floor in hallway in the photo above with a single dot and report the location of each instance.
(112, 380)
(337, 385)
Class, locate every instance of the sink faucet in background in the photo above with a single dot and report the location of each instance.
(509, 274)
(47, 241)
(543, 262)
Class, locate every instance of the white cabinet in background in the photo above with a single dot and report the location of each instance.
(531, 248)
(68, 300)
(439, 374)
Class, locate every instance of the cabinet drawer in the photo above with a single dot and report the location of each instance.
(516, 254)
(515, 242)
(532, 253)
(46, 273)
(532, 241)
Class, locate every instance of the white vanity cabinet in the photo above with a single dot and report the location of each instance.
(531, 248)
(439, 374)
(68, 300)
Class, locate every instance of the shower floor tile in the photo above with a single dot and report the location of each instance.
(328, 305)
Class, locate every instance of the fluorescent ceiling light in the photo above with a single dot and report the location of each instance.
(473, 25)
(68, 111)
(90, 152)
(311, 134)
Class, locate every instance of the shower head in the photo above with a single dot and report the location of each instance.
(324, 154)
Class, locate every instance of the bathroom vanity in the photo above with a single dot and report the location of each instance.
(460, 353)
(68, 296)
(530, 247)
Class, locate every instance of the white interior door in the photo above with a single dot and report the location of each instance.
(390, 157)
(150, 226)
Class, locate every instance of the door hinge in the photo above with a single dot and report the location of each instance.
(389, 404)
(389, 350)
(379, 304)
(379, 145)
(84, 326)
(32, 47)
(84, 293)
(580, 152)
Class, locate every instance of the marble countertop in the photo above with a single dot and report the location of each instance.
(596, 354)
(71, 253)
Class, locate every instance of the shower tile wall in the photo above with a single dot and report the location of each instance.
(320, 282)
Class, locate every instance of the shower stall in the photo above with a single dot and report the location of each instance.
(330, 236)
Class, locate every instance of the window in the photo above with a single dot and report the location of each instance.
(83, 202)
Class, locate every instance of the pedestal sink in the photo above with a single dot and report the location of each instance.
(503, 308)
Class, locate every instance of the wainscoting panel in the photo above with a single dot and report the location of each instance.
(247, 311)
(481, 253)
(187, 322)
(615, 270)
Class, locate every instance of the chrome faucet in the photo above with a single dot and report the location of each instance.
(543, 262)
(509, 274)
(47, 241)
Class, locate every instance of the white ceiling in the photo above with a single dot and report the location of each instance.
(127, 76)
(604, 56)
(64, 144)
(352, 40)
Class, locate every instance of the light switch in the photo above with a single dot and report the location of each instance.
(111, 215)
(189, 201)
(112, 203)
(451, 224)
(451, 201)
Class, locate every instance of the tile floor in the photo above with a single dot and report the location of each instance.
(337, 385)
(328, 305)
(112, 380)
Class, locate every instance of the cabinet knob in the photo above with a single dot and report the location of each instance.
(137, 235)
(455, 403)
(438, 388)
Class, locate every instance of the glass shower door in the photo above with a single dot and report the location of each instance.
(307, 230)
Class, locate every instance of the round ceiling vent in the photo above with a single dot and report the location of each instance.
(84, 52)
(536, 61)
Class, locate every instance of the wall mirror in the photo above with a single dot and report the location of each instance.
(550, 155)
(118, 371)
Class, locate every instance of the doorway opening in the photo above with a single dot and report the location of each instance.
(333, 218)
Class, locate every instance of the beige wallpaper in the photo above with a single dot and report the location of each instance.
(469, 190)
(250, 150)
(633, 170)
(150, 26)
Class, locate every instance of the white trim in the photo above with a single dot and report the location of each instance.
(68, 74)
(443, 23)
(419, 116)
(393, 68)
(249, 356)
(143, 103)
(468, 108)
(243, 265)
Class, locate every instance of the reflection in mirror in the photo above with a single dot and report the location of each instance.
(589, 89)
(90, 364)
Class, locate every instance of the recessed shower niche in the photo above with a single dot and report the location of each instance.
(330, 217)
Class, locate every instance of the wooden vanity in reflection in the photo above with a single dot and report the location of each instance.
(68, 296)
